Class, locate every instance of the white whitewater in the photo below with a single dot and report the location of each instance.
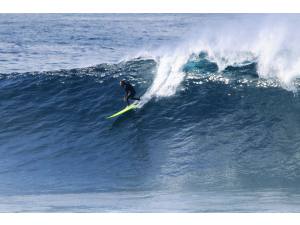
(273, 43)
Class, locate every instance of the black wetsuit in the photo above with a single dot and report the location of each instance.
(130, 92)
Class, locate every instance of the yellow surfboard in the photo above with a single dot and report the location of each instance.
(126, 109)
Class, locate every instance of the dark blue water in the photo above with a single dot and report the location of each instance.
(214, 134)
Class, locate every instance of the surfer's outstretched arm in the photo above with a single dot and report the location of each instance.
(136, 99)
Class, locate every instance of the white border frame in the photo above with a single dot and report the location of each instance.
(149, 6)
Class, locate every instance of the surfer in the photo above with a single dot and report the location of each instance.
(130, 92)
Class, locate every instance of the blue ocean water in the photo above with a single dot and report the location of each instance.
(216, 131)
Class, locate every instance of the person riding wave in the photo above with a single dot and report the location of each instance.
(129, 90)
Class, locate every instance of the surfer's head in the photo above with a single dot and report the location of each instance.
(122, 82)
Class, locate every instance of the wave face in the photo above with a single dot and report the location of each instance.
(215, 129)
(223, 131)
